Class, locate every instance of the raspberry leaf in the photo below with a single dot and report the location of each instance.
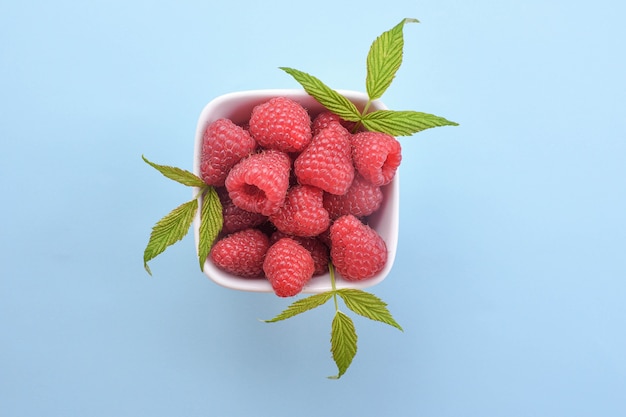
(343, 340)
(302, 305)
(328, 97)
(384, 60)
(177, 174)
(211, 222)
(169, 230)
(367, 305)
(402, 123)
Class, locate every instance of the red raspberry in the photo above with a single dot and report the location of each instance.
(241, 253)
(282, 124)
(303, 213)
(325, 118)
(362, 199)
(357, 251)
(288, 266)
(235, 218)
(223, 145)
(259, 183)
(327, 162)
(376, 156)
(324, 237)
(318, 250)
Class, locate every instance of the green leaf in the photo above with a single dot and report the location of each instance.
(179, 175)
(402, 123)
(367, 305)
(343, 340)
(169, 230)
(302, 305)
(211, 222)
(384, 60)
(328, 97)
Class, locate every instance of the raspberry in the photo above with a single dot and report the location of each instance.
(241, 253)
(223, 145)
(235, 218)
(376, 156)
(303, 213)
(317, 249)
(324, 237)
(325, 118)
(288, 266)
(281, 124)
(362, 199)
(327, 162)
(259, 183)
(357, 251)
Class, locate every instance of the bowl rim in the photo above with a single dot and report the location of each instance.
(389, 211)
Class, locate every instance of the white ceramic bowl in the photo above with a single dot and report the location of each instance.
(238, 107)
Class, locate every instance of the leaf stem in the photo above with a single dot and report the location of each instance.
(366, 108)
(358, 124)
(331, 270)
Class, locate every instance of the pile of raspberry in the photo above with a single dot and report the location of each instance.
(296, 190)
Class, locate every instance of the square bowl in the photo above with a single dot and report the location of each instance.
(238, 107)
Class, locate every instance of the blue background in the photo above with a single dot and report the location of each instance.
(510, 280)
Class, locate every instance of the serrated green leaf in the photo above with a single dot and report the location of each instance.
(211, 222)
(302, 305)
(169, 230)
(402, 123)
(367, 305)
(328, 97)
(343, 340)
(384, 60)
(177, 174)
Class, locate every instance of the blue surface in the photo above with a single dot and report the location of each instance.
(510, 280)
